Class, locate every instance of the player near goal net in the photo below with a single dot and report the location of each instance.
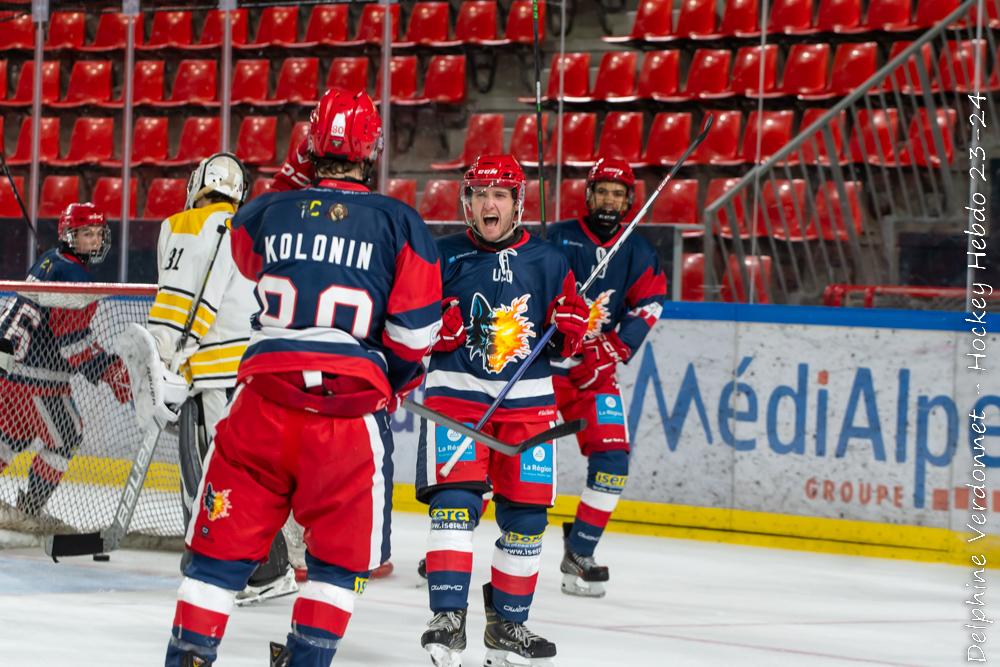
(51, 345)
(200, 290)
(350, 290)
(625, 302)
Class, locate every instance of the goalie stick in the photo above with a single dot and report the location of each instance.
(612, 251)
(110, 538)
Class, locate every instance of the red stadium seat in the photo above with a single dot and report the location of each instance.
(402, 80)
(660, 75)
(839, 16)
(213, 28)
(693, 277)
(484, 136)
(717, 187)
(621, 135)
(403, 189)
(440, 201)
(746, 71)
(775, 130)
(792, 17)
(575, 68)
(260, 186)
(26, 81)
(816, 151)
(723, 142)
(18, 31)
(740, 18)
(758, 269)
(579, 131)
(428, 25)
(58, 192)
(783, 208)
(195, 83)
(616, 77)
(277, 26)
(111, 35)
(200, 137)
(677, 204)
(150, 139)
(520, 22)
(806, 69)
(524, 139)
(370, 26)
(107, 196)
(9, 208)
(891, 15)
(572, 199)
(669, 136)
(476, 22)
(653, 18)
(3, 81)
(297, 135)
(170, 30)
(89, 83)
(48, 148)
(350, 73)
(852, 65)
(92, 141)
(708, 75)
(930, 12)
(327, 25)
(695, 21)
(165, 197)
(907, 76)
(532, 203)
(957, 66)
(257, 140)
(830, 210)
(67, 30)
(922, 150)
(444, 81)
(298, 80)
(875, 136)
(250, 79)
(147, 83)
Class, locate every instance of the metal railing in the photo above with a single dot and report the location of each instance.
(826, 207)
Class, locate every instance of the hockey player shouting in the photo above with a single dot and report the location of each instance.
(625, 302)
(350, 289)
(50, 346)
(502, 288)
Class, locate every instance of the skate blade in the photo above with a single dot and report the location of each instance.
(574, 585)
(498, 658)
(442, 656)
(253, 595)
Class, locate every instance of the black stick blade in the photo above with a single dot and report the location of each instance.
(557, 431)
(85, 544)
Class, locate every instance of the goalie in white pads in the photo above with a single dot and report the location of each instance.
(195, 260)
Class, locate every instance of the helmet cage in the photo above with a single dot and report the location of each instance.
(222, 173)
(75, 218)
(516, 190)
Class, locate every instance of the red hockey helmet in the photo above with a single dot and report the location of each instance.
(614, 170)
(345, 125)
(78, 216)
(494, 171)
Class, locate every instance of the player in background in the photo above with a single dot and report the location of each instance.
(503, 288)
(50, 346)
(194, 251)
(350, 289)
(625, 302)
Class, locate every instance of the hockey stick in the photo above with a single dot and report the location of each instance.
(17, 196)
(543, 341)
(538, 114)
(510, 449)
(110, 538)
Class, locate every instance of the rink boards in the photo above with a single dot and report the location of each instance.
(829, 429)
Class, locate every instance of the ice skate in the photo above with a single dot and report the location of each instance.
(581, 575)
(422, 569)
(444, 638)
(283, 585)
(510, 644)
(280, 655)
(192, 660)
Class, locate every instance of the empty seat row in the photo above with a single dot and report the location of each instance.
(719, 74)
(196, 82)
(732, 289)
(278, 26)
(697, 19)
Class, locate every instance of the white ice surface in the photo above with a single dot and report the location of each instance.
(670, 603)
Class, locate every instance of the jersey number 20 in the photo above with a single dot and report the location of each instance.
(326, 306)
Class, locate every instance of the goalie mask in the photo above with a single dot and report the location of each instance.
(602, 208)
(493, 171)
(84, 232)
(222, 173)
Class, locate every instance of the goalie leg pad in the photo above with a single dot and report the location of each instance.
(189, 442)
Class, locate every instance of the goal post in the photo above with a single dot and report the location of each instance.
(68, 436)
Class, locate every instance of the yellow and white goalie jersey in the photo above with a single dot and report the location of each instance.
(221, 329)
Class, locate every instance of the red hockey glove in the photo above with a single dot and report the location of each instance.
(571, 316)
(601, 356)
(297, 172)
(452, 334)
(116, 377)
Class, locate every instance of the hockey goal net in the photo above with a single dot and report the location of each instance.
(68, 434)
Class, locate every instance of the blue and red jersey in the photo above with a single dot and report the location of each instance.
(506, 298)
(348, 281)
(628, 295)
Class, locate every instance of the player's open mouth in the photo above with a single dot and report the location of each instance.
(491, 220)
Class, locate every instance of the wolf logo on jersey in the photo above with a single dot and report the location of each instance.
(600, 314)
(499, 335)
